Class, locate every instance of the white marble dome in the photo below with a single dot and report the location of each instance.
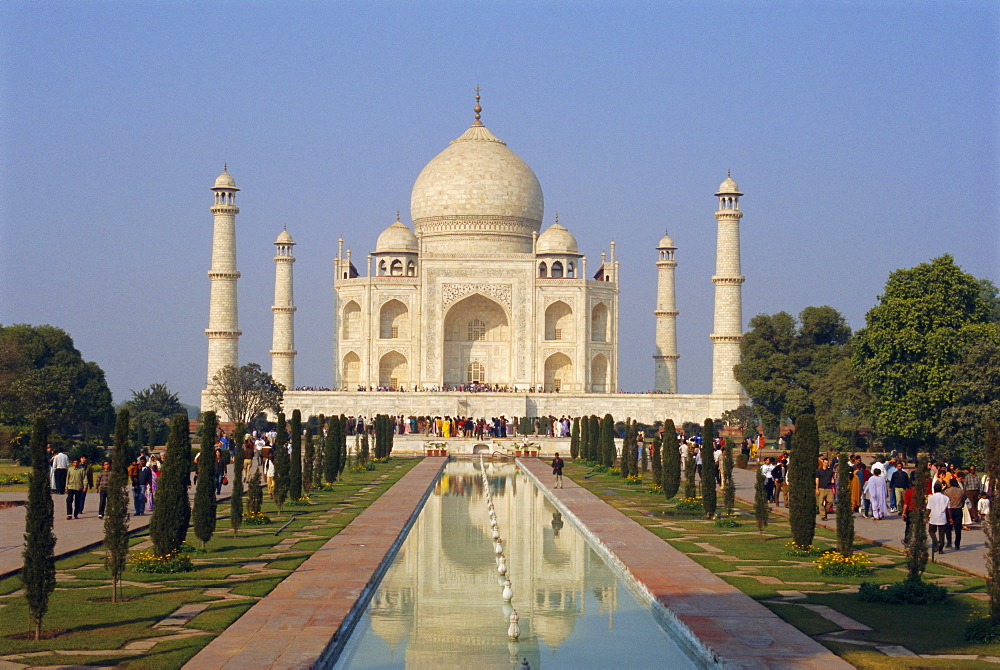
(666, 243)
(397, 238)
(477, 187)
(556, 240)
(284, 237)
(225, 180)
(729, 187)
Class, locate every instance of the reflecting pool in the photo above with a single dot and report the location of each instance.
(440, 605)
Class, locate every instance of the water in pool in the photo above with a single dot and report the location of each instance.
(440, 604)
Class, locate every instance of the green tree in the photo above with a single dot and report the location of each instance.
(644, 460)
(281, 463)
(975, 378)
(689, 471)
(255, 494)
(992, 524)
(728, 484)
(116, 516)
(245, 392)
(804, 456)
(38, 575)
(911, 339)
(308, 456)
(342, 458)
(628, 444)
(42, 374)
(916, 543)
(708, 495)
(655, 449)
(236, 496)
(574, 439)
(845, 511)
(204, 493)
(295, 466)
(608, 448)
(151, 409)
(743, 417)
(761, 508)
(331, 460)
(671, 460)
(172, 515)
(595, 439)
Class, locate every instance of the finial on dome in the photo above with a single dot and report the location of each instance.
(729, 173)
(477, 109)
(225, 167)
(557, 218)
(397, 215)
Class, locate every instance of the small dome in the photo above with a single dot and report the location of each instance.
(284, 237)
(225, 180)
(729, 187)
(397, 238)
(556, 240)
(666, 243)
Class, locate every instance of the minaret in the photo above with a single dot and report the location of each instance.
(728, 326)
(665, 358)
(283, 340)
(223, 324)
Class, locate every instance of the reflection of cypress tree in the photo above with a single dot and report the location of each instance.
(574, 439)
(281, 463)
(802, 480)
(116, 510)
(708, 497)
(308, 454)
(728, 485)
(295, 466)
(845, 512)
(169, 524)
(671, 460)
(236, 497)
(204, 491)
(39, 572)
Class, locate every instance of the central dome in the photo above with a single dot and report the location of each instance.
(476, 195)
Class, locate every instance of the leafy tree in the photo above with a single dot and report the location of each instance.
(840, 403)
(172, 515)
(911, 339)
(245, 392)
(708, 495)
(38, 576)
(743, 417)
(295, 466)
(204, 492)
(236, 496)
(42, 374)
(990, 294)
(804, 456)
(116, 516)
(151, 409)
(761, 508)
(671, 456)
(574, 439)
(308, 456)
(783, 359)
(992, 525)
(975, 378)
(728, 484)
(281, 463)
(845, 511)
(916, 543)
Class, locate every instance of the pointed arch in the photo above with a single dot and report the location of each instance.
(599, 374)
(599, 323)
(558, 372)
(394, 321)
(559, 322)
(350, 371)
(351, 322)
(393, 371)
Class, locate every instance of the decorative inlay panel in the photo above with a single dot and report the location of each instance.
(454, 292)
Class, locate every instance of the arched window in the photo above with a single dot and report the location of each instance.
(557, 270)
(599, 323)
(351, 371)
(396, 269)
(571, 270)
(559, 322)
(352, 321)
(477, 331)
(381, 268)
(542, 270)
(476, 373)
(394, 321)
(411, 269)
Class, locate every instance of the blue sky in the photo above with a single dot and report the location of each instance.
(864, 135)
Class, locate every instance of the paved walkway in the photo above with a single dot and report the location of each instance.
(300, 623)
(888, 532)
(736, 629)
(71, 535)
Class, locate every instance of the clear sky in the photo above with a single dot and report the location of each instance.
(864, 135)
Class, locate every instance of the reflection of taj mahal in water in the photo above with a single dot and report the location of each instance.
(422, 607)
(477, 294)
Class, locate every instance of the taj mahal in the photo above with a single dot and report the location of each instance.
(477, 311)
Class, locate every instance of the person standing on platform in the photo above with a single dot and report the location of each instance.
(557, 470)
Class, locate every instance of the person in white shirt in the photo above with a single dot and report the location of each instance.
(983, 507)
(60, 468)
(937, 504)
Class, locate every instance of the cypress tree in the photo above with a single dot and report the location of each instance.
(116, 509)
(308, 454)
(38, 576)
(728, 485)
(645, 454)
(804, 457)
(236, 497)
(595, 440)
(281, 463)
(608, 436)
(204, 491)
(689, 471)
(585, 437)
(319, 466)
(574, 439)
(627, 461)
(991, 525)
(390, 435)
(708, 495)
(654, 455)
(295, 466)
(255, 494)
(916, 543)
(761, 508)
(671, 456)
(169, 524)
(363, 451)
(331, 450)
(845, 513)
(342, 459)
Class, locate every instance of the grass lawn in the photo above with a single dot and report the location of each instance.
(761, 565)
(9, 468)
(229, 577)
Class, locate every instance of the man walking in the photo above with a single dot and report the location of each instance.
(143, 478)
(899, 481)
(76, 489)
(937, 504)
(60, 470)
(103, 479)
(88, 479)
(971, 483)
(557, 470)
(824, 486)
(956, 501)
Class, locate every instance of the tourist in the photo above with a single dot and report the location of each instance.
(767, 470)
(154, 482)
(824, 486)
(557, 470)
(956, 503)
(269, 474)
(938, 518)
(971, 483)
(909, 507)
(60, 470)
(103, 480)
(88, 479)
(76, 487)
(899, 482)
(142, 481)
(983, 507)
(875, 489)
(778, 475)
(219, 467)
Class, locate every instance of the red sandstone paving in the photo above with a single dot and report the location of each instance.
(740, 631)
(290, 627)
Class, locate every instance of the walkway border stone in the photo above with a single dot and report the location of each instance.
(307, 618)
(731, 628)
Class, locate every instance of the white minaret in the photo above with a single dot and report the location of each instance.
(728, 326)
(283, 340)
(223, 324)
(665, 358)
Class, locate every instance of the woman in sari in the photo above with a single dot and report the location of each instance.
(875, 487)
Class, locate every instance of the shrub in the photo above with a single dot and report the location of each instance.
(802, 550)
(727, 522)
(982, 631)
(761, 508)
(11, 480)
(906, 592)
(255, 519)
(147, 561)
(835, 564)
(690, 505)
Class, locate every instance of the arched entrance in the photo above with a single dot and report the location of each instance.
(476, 329)
(351, 371)
(392, 371)
(599, 374)
(558, 372)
